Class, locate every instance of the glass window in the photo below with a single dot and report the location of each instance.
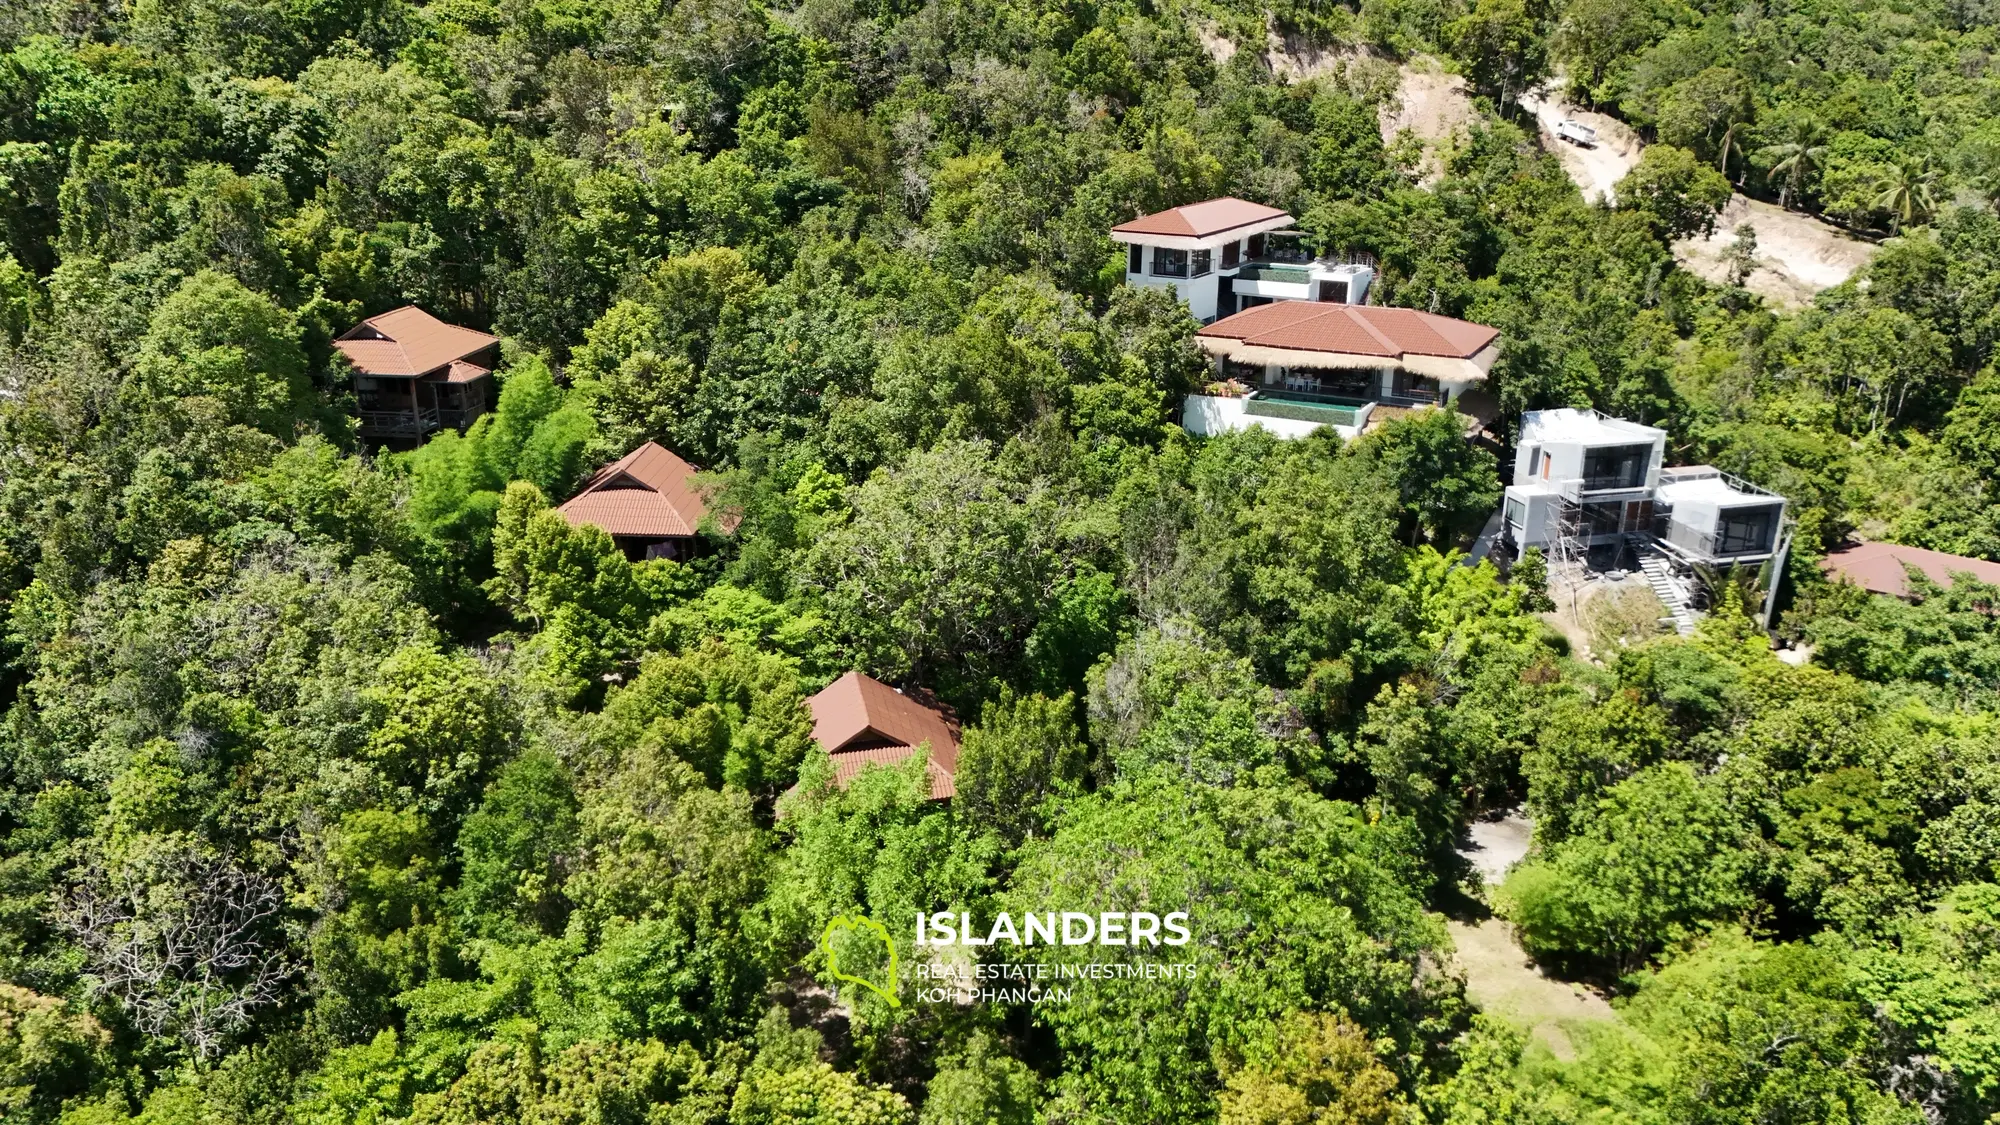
(1200, 263)
(1618, 466)
(1169, 263)
(1745, 531)
(1231, 254)
(1603, 519)
(1418, 387)
(1135, 259)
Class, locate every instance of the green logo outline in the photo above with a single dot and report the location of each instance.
(860, 921)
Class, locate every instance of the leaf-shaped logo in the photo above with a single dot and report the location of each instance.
(855, 930)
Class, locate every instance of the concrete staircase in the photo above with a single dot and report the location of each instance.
(1661, 578)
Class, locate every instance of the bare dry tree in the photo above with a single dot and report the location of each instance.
(187, 944)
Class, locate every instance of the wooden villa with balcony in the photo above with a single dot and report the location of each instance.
(414, 374)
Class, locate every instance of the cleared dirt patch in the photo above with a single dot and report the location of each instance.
(1797, 255)
(1498, 845)
(1432, 105)
(1504, 983)
(1499, 977)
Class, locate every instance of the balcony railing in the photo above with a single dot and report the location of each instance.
(1284, 275)
(1613, 482)
(1709, 472)
(395, 423)
(461, 417)
(1704, 545)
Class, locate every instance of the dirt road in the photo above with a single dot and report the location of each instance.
(1499, 977)
(1797, 255)
(1595, 170)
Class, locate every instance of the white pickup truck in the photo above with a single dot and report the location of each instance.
(1576, 133)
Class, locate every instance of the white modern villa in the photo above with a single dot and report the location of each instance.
(1296, 345)
(1584, 483)
(1225, 255)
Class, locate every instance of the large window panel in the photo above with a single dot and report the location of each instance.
(1746, 531)
(1618, 466)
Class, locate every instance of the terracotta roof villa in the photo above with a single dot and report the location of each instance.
(413, 373)
(646, 499)
(1306, 364)
(1294, 338)
(1883, 568)
(1327, 336)
(862, 721)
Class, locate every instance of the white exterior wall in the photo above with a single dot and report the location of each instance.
(1534, 523)
(1699, 515)
(1564, 452)
(1276, 290)
(1704, 516)
(1202, 294)
(1208, 415)
(1197, 293)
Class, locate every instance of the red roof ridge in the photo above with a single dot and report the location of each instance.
(858, 719)
(1368, 326)
(661, 502)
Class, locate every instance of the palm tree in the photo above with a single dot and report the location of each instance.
(1908, 191)
(1796, 157)
(1729, 140)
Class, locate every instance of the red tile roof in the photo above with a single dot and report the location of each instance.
(848, 766)
(460, 371)
(408, 342)
(637, 512)
(1325, 326)
(1199, 220)
(648, 494)
(862, 721)
(1879, 567)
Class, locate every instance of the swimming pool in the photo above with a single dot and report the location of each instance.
(1306, 408)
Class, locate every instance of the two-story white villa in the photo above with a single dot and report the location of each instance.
(1224, 255)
